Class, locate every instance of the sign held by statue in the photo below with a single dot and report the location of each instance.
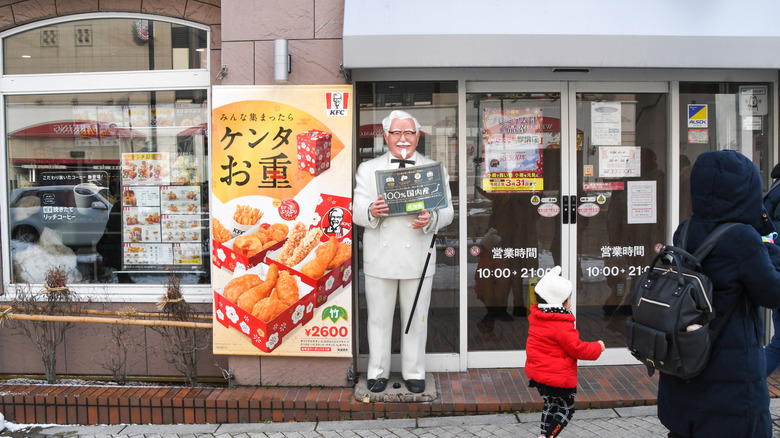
(412, 189)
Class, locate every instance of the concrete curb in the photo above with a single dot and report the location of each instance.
(404, 423)
(162, 429)
(471, 420)
(346, 425)
(81, 430)
(304, 426)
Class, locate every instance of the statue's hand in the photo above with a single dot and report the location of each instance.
(422, 220)
(379, 208)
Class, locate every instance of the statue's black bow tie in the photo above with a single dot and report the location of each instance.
(401, 163)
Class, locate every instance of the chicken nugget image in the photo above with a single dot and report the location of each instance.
(286, 288)
(248, 245)
(263, 234)
(343, 254)
(278, 232)
(239, 285)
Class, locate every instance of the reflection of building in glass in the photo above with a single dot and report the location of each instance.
(106, 44)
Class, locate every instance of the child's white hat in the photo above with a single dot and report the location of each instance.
(553, 288)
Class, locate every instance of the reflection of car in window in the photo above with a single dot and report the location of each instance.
(78, 213)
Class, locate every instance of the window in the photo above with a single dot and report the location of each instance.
(723, 115)
(110, 185)
(104, 45)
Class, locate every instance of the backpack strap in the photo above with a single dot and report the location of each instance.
(709, 242)
(704, 249)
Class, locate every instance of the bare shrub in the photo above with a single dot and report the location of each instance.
(181, 344)
(119, 343)
(55, 299)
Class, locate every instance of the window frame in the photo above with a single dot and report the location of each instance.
(95, 82)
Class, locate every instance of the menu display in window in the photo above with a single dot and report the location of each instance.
(145, 169)
(146, 255)
(161, 221)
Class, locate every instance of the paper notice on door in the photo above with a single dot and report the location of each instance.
(642, 202)
(620, 161)
(605, 123)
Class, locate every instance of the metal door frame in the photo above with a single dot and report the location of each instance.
(569, 91)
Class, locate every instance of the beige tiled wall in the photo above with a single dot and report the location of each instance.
(313, 30)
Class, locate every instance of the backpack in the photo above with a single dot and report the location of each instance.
(772, 198)
(669, 329)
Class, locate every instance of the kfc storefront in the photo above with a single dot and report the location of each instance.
(569, 146)
(568, 136)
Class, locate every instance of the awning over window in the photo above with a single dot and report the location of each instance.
(561, 33)
(79, 129)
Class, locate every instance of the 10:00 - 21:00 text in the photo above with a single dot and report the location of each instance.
(591, 271)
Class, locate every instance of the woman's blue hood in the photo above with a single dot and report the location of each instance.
(726, 187)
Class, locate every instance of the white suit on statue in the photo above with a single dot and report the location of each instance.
(393, 258)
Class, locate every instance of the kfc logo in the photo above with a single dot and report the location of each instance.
(337, 103)
(337, 222)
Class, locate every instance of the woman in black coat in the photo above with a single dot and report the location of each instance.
(730, 397)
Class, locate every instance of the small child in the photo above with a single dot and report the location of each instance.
(552, 350)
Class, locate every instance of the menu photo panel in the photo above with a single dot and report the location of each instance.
(281, 186)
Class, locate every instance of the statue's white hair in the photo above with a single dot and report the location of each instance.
(398, 114)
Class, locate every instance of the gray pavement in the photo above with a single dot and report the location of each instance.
(636, 422)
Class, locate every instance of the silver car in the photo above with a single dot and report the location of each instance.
(79, 213)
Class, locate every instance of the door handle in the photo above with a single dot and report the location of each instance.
(573, 209)
(565, 207)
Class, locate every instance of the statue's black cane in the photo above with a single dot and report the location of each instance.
(422, 277)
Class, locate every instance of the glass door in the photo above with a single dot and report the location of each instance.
(516, 174)
(566, 174)
(620, 204)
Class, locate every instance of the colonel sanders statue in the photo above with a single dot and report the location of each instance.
(394, 254)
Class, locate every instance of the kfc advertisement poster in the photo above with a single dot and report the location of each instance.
(512, 143)
(281, 208)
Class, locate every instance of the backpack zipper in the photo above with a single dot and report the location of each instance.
(698, 280)
(657, 303)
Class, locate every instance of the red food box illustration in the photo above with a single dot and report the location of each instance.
(321, 261)
(314, 151)
(223, 255)
(266, 335)
(324, 286)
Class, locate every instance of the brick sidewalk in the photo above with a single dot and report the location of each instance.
(478, 391)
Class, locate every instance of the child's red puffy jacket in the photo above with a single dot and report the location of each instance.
(553, 348)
